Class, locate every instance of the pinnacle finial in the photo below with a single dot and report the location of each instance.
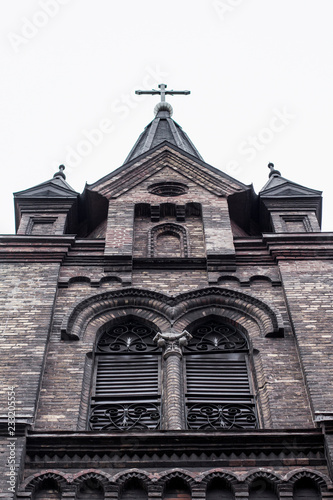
(60, 173)
(273, 171)
(163, 105)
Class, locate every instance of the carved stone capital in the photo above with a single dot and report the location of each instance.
(172, 342)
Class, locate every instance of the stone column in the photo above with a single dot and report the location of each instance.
(173, 343)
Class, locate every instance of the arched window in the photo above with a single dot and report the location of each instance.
(168, 244)
(168, 240)
(261, 489)
(218, 490)
(176, 489)
(306, 489)
(133, 490)
(91, 489)
(126, 392)
(218, 390)
(48, 490)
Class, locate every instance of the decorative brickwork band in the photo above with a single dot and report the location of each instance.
(173, 344)
(172, 308)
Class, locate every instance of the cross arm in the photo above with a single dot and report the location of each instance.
(151, 92)
(178, 92)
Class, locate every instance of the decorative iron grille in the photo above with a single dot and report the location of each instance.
(128, 337)
(214, 336)
(217, 416)
(124, 417)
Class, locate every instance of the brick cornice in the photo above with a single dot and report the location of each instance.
(264, 447)
(16, 248)
(299, 246)
(274, 246)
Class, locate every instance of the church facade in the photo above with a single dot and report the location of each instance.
(167, 334)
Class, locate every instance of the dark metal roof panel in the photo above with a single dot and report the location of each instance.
(162, 128)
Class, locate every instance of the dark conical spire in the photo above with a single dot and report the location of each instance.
(162, 128)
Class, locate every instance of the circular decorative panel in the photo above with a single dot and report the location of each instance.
(168, 188)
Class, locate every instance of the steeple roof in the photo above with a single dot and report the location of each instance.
(57, 187)
(162, 128)
(280, 187)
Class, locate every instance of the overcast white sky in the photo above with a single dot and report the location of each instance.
(260, 74)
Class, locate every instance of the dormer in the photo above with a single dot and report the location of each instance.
(49, 208)
(287, 207)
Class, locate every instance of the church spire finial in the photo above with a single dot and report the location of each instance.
(273, 171)
(163, 105)
(60, 173)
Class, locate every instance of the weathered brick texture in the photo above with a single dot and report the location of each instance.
(171, 261)
(308, 287)
(27, 300)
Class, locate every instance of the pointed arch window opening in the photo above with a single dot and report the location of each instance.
(126, 387)
(127, 337)
(218, 392)
(217, 337)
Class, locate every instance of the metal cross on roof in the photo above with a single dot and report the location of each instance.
(163, 92)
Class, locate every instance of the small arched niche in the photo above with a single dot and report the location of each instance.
(260, 489)
(133, 490)
(90, 489)
(306, 489)
(177, 489)
(168, 240)
(218, 489)
(48, 490)
(168, 244)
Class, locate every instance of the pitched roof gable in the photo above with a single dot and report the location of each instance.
(164, 155)
(279, 187)
(53, 188)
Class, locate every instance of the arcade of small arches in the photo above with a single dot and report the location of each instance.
(176, 484)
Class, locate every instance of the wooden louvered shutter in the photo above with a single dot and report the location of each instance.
(122, 378)
(218, 394)
(126, 387)
(215, 376)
